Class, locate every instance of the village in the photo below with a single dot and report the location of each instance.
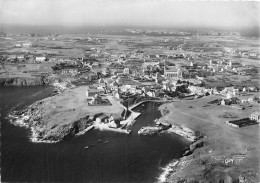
(130, 91)
(135, 76)
(206, 88)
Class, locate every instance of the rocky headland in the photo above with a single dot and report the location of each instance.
(62, 116)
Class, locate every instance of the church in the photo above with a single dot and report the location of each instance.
(172, 72)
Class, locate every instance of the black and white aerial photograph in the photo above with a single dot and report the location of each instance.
(129, 91)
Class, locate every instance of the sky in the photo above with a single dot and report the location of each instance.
(130, 13)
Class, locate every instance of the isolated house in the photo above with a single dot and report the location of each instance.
(40, 59)
(102, 118)
(126, 71)
(255, 116)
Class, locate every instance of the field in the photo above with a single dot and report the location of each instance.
(222, 140)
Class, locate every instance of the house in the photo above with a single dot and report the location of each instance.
(145, 89)
(95, 64)
(150, 94)
(90, 92)
(228, 89)
(113, 124)
(139, 91)
(195, 89)
(103, 118)
(96, 100)
(69, 71)
(151, 56)
(18, 45)
(252, 89)
(114, 85)
(126, 71)
(40, 59)
(20, 57)
(118, 72)
(250, 99)
(244, 101)
(125, 88)
(132, 89)
(225, 102)
(229, 95)
(116, 94)
(234, 64)
(27, 44)
(255, 116)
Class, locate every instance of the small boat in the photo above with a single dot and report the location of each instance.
(106, 142)
(86, 147)
(92, 144)
(99, 140)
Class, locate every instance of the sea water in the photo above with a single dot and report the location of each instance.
(111, 156)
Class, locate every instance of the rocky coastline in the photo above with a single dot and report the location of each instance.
(40, 133)
(204, 160)
(26, 81)
(199, 153)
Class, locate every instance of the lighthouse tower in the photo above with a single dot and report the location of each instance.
(230, 63)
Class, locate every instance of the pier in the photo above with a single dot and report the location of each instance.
(84, 131)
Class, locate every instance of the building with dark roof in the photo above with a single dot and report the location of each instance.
(255, 116)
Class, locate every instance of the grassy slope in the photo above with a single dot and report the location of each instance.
(222, 140)
(72, 105)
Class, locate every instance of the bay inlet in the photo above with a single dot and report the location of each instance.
(111, 156)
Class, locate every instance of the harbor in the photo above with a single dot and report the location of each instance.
(110, 155)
